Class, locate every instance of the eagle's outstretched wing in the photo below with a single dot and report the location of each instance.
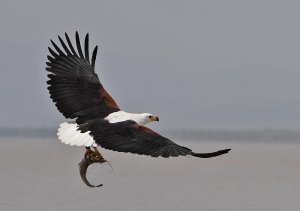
(130, 137)
(74, 86)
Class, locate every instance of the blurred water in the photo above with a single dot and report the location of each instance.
(41, 174)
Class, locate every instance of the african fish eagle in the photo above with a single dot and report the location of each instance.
(78, 94)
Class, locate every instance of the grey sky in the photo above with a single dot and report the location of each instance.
(196, 64)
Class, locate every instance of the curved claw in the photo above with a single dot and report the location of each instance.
(90, 157)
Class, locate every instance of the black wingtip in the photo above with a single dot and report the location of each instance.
(70, 44)
(94, 55)
(57, 48)
(78, 45)
(52, 52)
(64, 46)
(52, 42)
(211, 154)
(86, 48)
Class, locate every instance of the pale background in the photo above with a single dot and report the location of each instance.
(196, 64)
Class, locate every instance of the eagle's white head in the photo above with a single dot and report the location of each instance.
(141, 119)
(145, 118)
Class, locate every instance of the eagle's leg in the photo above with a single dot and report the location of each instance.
(93, 155)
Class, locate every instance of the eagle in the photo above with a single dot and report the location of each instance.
(96, 119)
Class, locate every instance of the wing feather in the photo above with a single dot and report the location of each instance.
(57, 48)
(70, 45)
(64, 46)
(52, 52)
(129, 137)
(74, 86)
(86, 48)
(94, 57)
(79, 46)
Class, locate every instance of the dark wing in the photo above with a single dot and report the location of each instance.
(74, 86)
(130, 137)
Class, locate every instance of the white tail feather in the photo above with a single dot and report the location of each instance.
(68, 134)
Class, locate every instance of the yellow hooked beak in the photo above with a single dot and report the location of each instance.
(153, 118)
